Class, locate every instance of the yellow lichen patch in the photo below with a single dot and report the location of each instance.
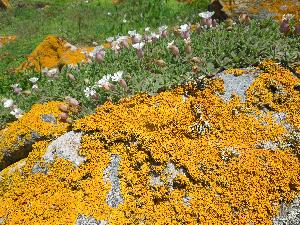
(29, 127)
(7, 39)
(186, 157)
(53, 52)
(275, 9)
(4, 4)
(236, 72)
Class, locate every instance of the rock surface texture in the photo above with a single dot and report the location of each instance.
(226, 154)
(260, 9)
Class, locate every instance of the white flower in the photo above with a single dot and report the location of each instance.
(105, 80)
(162, 28)
(206, 14)
(287, 16)
(89, 92)
(35, 87)
(17, 113)
(8, 103)
(122, 38)
(117, 76)
(109, 13)
(124, 20)
(93, 53)
(154, 35)
(132, 33)
(184, 28)
(138, 45)
(33, 79)
(15, 85)
(171, 44)
(115, 46)
(110, 39)
(147, 29)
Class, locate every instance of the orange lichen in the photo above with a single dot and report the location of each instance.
(236, 72)
(4, 4)
(54, 52)
(22, 131)
(276, 9)
(6, 39)
(152, 135)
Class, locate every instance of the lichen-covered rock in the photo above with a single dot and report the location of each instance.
(6, 39)
(4, 4)
(40, 123)
(54, 52)
(260, 9)
(165, 159)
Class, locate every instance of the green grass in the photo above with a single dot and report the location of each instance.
(82, 23)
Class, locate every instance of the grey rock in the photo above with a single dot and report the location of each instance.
(186, 200)
(289, 215)
(85, 220)
(48, 118)
(111, 175)
(67, 147)
(171, 172)
(155, 180)
(236, 84)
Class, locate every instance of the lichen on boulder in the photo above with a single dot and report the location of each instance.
(4, 4)
(260, 9)
(40, 123)
(167, 160)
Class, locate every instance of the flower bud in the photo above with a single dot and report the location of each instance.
(174, 50)
(284, 27)
(70, 76)
(196, 60)
(95, 96)
(123, 84)
(27, 92)
(100, 56)
(63, 116)
(139, 53)
(195, 69)
(86, 81)
(160, 62)
(187, 47)
(164, 34)
(63, 108)
(72, 101)
(17, 90)
(186, 35)
(106, 87)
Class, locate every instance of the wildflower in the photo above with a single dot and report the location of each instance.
(124, 20)
(70, 76)
(173, 48)
(147, 29)
(8, 103)
(132, 33)
(187, 46)
(63, 116)
(16, 88)
(284, 27)
(163, 31)
(139, 49)
(104, 81)
(287, 17)
(123, 41)
(110, 39)
(117, 76)
(18, 113)
(26, 92)
(35, 87)
(184, 30)
(115, 46)
(100, 56)
(89, 92)
(206, 15)
(109, 13)
(63, 108)
(160, 62)
(72, 101)
(154, 37)
(33, 79)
